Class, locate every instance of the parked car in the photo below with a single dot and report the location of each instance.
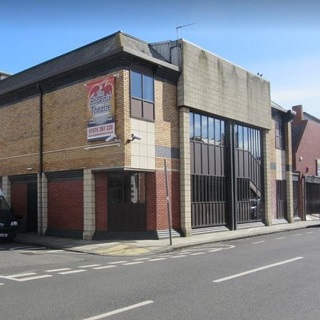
(8, 223)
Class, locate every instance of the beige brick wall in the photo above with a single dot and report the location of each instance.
(185, 184)
(19, 138)
(281, 169)
(214, 85)
(65, 116)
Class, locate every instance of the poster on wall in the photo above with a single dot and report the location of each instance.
(101, 108)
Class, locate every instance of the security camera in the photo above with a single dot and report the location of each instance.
(135, 137)
(111, 137)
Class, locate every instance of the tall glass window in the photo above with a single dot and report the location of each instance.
(142, 95)
(206, 129)
(248, 139)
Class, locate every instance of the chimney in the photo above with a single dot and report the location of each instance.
(299, 112)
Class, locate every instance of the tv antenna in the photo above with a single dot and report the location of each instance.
(182, 26)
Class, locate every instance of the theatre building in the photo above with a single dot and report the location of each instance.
(93, 141)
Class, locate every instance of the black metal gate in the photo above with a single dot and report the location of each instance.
(126, 202)
(313, 197)
(208, 181)
(248, 169)
(214, 171)
(296, 195)
(281, 193)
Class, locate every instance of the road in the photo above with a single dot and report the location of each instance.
(268, 277)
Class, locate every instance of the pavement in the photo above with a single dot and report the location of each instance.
(147, 247)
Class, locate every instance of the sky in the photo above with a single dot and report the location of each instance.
(279, 39)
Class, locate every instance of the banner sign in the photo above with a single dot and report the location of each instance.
(101, 116)
(318, 167)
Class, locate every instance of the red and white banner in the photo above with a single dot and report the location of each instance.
(101, 122)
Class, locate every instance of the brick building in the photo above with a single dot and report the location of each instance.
(85, 138)
(306, 162)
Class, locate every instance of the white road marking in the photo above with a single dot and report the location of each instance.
(104, 267)
(157, 259)
(58, 270)
(297, 235)
(257, 269)
(118, 262)
(90, 266)
(258, 242)
(197, 253)
(18, 275)
(131, 263)
(1, 284)
(180, 256)
(111, 313)
(141, 259)
(215, 250)
(55, 251)
(72, 271)
(310, 232)
(34, 278)
(280, 238)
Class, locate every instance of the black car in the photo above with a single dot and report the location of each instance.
(8, 223)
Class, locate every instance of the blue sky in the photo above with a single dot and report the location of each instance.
(278, 38)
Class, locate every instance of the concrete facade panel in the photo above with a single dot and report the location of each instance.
(216, 86)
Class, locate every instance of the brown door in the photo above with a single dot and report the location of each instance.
(126, 202)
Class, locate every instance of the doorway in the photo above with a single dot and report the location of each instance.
(126, 201)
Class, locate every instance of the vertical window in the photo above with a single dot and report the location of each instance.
(204, 130)
(217, 130)
(197, 127)
(211, 130)
(279, 134)
(142, 96)
(191, 126)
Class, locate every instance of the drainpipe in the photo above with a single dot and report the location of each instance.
(40, 208)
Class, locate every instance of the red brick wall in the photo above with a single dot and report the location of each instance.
(175, 199)
(65, 204)
(309, 149)
(101, 201)
(156, 203)
(151, 201)
(157, 213)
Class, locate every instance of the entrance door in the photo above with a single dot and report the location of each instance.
(281, 190)
(32, 208)
(126, 201)
(296, 195)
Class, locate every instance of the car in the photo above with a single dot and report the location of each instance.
(8, 223)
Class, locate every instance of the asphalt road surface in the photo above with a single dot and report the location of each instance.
(269, 277)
